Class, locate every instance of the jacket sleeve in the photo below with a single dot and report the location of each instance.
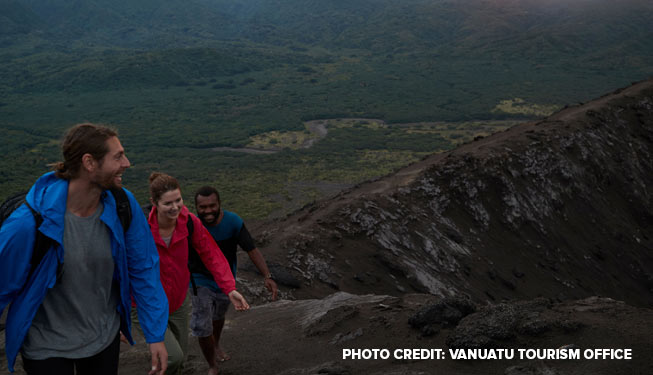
(212, 256)
(144, 277)
(16, 246)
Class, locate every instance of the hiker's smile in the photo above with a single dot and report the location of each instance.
(170, 204)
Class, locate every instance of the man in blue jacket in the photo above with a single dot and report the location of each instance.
(67, 314)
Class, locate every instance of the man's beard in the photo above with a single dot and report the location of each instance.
(109, 182)
(216, 215)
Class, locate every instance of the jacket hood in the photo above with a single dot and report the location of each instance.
(48, 196)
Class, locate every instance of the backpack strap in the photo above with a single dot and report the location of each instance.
(123, 208)
(191, 228)
(42, 244)
(191, 249)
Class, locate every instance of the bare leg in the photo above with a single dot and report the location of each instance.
(217, 332)
(211, 350)
(208, 350)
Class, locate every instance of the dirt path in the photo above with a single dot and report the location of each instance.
(318, 128)
(246, 150)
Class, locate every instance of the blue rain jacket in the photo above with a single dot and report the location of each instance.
(134, 253)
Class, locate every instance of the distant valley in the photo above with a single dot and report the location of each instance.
(179, 78)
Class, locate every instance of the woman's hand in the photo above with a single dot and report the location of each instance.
(238, 300)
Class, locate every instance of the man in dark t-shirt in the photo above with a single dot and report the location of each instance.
(210, 304)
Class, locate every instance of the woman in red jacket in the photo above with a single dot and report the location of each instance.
(168, 222)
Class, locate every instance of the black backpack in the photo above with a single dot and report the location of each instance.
(193, 256)
(42, 242)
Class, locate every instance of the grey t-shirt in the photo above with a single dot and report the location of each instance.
(78, 317)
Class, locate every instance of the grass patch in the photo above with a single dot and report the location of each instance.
(277, 140)
(518, 106)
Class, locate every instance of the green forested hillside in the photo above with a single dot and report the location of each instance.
(178, 78)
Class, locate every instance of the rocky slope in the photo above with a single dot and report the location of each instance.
(560, 208)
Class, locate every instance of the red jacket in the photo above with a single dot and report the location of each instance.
(173, 260)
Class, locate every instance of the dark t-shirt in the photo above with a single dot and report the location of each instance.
(229, 234)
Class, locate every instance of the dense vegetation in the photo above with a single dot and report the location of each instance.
(178, 78)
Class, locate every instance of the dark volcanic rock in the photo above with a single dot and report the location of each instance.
(281, 274)
(445, 312)
(328, 368)
(530, 370)
(330, 319)
(495, 325)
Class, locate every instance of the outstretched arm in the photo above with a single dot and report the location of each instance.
(212, 257)
(257, 258)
